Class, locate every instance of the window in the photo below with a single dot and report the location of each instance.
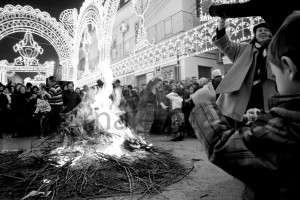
(168, 26)
(204, 72)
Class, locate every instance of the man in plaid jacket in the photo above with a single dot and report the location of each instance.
(265, 155)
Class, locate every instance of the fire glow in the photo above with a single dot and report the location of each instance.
(103, 108)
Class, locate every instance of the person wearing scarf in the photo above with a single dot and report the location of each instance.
(249, 82)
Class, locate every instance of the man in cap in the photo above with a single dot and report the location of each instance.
(216, 78)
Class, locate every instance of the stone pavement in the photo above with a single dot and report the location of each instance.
(205, 182)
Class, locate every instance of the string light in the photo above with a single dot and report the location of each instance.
(16, 19)
(101, 17)
(27, 61)
(140, 7)
(193, 42)
(65, 36)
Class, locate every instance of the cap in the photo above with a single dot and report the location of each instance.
(258, 26)
(216, 73)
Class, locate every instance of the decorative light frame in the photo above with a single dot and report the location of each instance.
(140, 10)
(47, 67)
(101, 16)
(193, 42)
(15, 19)
(28, 43)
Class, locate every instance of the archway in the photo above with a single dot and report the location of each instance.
(99, 14)
(15, 19)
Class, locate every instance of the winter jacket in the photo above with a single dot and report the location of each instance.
(265, 156)
(71, 100)
(42, 106)
(54, 96)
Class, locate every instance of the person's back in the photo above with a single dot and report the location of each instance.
(265, 155)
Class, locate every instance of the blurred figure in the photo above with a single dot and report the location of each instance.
(146, 107)
(117, 83)
(177, 117)
(65, 88)
(85, 90)
(41, 112)
(21, 113)
(71, 98)
(54, 97)
(4, 104)
(216, 79)
(202, 81)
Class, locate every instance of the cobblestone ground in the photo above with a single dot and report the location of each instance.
(205, 182)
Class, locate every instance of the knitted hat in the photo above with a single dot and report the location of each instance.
(258, 26)
(216, 73)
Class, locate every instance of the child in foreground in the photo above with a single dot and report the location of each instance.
(266, 155)
(42, 113)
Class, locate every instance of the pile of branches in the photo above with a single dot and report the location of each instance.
(37, 173)
(40, 178)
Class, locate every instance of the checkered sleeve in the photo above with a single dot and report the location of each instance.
(230, 149)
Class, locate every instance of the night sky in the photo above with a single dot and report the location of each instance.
(54, 8)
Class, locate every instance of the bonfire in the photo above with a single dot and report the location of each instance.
(94, 154)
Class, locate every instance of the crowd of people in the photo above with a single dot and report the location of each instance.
(35, 110)
(247, 121)
(156, 107)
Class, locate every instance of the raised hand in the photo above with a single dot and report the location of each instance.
(222, 23)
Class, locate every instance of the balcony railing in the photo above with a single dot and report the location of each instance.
(179, 22)
(190, 43)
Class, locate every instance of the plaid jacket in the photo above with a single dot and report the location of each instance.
(265, 156)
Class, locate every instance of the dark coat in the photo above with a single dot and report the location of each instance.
(272, 11)
(145, 115)
(216, 81)
(70, 100)
(3, 102)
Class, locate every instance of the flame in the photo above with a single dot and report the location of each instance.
(108, 114)
(104, 108)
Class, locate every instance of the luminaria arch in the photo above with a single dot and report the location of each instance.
(101, 16)
(15, 19)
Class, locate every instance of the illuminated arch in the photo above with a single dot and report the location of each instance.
(15, 19)
(101, 16)
(91, 13)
